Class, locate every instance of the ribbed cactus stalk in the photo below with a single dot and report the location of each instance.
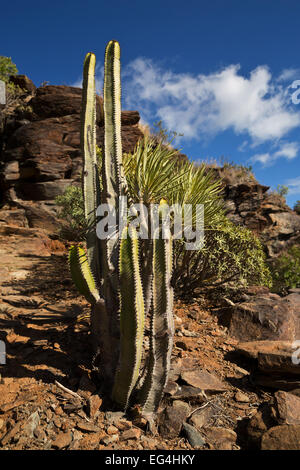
(90, 178)
(131, 318)
(82, 275)
(162, 325)
(109, 273)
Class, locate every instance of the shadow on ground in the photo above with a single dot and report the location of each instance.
(46, 339)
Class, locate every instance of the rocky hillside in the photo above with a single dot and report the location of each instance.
(230, 387)
(235, 377)
(251, 204)
(40, 157)
(40, 150)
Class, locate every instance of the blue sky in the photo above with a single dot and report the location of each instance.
(219, 71)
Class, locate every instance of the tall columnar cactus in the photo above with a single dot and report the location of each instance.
(131, 318)
(109, 274)
(162, 325)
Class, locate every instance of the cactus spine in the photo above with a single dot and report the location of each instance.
(110, 275)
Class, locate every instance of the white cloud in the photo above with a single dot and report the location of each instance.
(288, 150)
(264, 158)
(201, 105)
(294, 185)
(243, 146)
(288, 74)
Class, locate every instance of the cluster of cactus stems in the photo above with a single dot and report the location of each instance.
(123, 285)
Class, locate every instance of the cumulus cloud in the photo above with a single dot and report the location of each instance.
(257, 107)
(288, 150)
(294, 185)
(201, 105)
(288, 74)
(263, 158)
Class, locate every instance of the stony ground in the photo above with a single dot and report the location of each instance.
(49, 398)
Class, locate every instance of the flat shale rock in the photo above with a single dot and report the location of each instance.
(265, 317)
(241, 397)
(285, 437)
(173, 418)
(133, 433)
(94, 403)
(114, 417)
(187, 391)
(201, 417)
(63, 440)
(288, 408)
(85, 426)
(203, 380)
(221, 438)
(271, 356)
(278, 382)
(193, 436)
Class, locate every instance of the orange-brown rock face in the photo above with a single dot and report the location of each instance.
(41, 141)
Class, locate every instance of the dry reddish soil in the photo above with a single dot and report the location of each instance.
(45, 325)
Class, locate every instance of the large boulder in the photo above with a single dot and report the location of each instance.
(54, 101)
(44, 191)
(288, 408)
(265, 317)
(282, 438)
(271, 356)
(44, 149)
(275, 364)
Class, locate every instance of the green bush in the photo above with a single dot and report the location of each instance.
(72, 209)
(7, 68)
(230, 254)
(72, 212)
(282, 190)
(285, 270)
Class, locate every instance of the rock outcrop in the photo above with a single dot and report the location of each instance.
(40, 144)
(40, 156)
(265, 316)
(266, 213)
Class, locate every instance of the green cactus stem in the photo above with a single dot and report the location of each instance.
(81, 274)
(162, 324)
(91, 187)
(131, 318)
(114, 184)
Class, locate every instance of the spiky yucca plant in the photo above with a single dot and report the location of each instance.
(109, 272)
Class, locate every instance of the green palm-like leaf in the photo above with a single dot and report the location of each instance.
(197, 186)
(151, 172)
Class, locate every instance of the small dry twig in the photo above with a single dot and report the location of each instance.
(200, 408)
(67, 390)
